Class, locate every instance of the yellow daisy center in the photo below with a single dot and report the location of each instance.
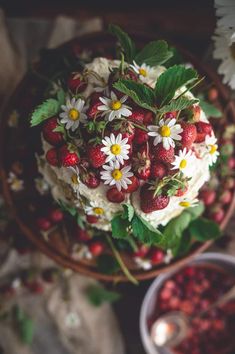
(74, 179)
(98, 211)
(142, 72)
(183, 163)
(185, 204)
(116, 105)
(165, 131)
(116, 149)
(213, 149)
(74, 114)
(117, 174)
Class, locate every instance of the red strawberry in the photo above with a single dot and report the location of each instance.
(55, 215)
(163, 155)
(133, 186)
(207, 196)
(213, 94)
(127, 130)
(229, 183)
(96, 156)
(148, 118)
(225, 197)
(81, 235)
(43, 223)
(52, 157)
(114, 196)
(231, 163)
(188, 134)
(203, 129)
(93, 111)
(217, 214)
(141, 251)
(90, 179)
(131, 75)
(171, 115)
(158, 170)
(140, 136)
(137, 116)
(141, 163)
(92, 219)
(149, 203)
(96, 248)
(157, 256)
(68, 158)
(181, 191)
(76, 83)
(53, 138)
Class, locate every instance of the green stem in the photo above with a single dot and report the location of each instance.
(120, 262)
(191, 87)
(140, 127)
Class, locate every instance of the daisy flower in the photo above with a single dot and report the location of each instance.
(73, 113)
(166, 132)
(184, 162)
(224, 42)
(94, 209)
(113, 107)
(212, 149)
(144, 264)
(74, 177)
(145, 72)
(41, 185)
(115, 148)
(188, 203)
(16, 184)
(225, 10)
(113, 175)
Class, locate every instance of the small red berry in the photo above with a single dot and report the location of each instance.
(217, 215)
(90, 179)
(114, 196)
(76, 83)
(43, 223)
(207, 196)
(137, 116)
(231, 163)
(157, 256)
(149, 202)
(225, 197)
(203, 129)
(93, 110)
(68, 158)
(92, 219)
(163, 155)
(158, 170)
(81, 235)
(141, 162)
(141, 251)
(96, 156)
(213, 94)
(188, 134)
(133, 186)
(55, 215)
(52, 137)
(52, 157)
(141, 136)
(148, 118)
(96, 248)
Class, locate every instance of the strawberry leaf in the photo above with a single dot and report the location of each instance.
(142, 95)
(154, 53)
(145, 233)
(61, 96)
(44, 111)
(209, 109)
(177, 105)
(127, 45)
(171, 80)
(119, 226)
(203, 230)
(128, 212)
(97, 295)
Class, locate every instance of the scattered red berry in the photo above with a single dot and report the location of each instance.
(158, 170)
(90, 179)
(156, 256)
(225, 197)
(92, 219)
(148, 118)
(188, 135)
(231, 163)
(96, 248)
(163, 155)
(217, 214)
(203, 129)
(207, 196)
(52, 137)
(67, 157)
(149, 202)
(81, 235)
(141, 251)
(76, 83)
(93, 111)
(52, 157)
(213, 94)
(114, 196)
(55, 215)
(140, 136)
(133, 186)
(96, 156)
(137, 116)
(43, 223)
(141, 163)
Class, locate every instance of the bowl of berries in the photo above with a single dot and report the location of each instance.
(111, 160)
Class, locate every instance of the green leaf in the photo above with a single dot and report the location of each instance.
(154, 53)
(119, 226)
(26, 330)
(175, 59)
(142, 95)
(145, 233)
(171, 80)
(97, 295)
(107, 264)
(177, 105)
(183, 245)
(128, 46)
(196, 211)
(203, 230)
(128, 211)
(44, 111)
(61, 96)
(209, 109)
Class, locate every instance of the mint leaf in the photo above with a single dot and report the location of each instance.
(177, 105)
(44, 111)
(203, 230)
(127, 45)
(171, 80)
(142, 95)
(154, 53)
(119, 226)
(97, 295)
(107, 264)
(146, 233)
(128, 212)
(209, 109)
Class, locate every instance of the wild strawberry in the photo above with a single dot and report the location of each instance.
(76, 83)
(68, 158)
(137, 116)
(52, 157)
(141, 163)
(131, 75)
(163, 155)
(81, 235)
(90, 179)
(181, 191)
(52, 137)
(92, 219)
(140, 136)
(55, 215)
(212, 94)
(96, 248)
(157, 256)
(43, 223)
(133, 186)
(93, 111)
(225, 197)
(96, 157)
(188, 135)
(114, 196)
(196, 113)
(203, 129)
(171, 115)
(231, 163)
(149, 202)
(148, 118)
(141, 251)
(158, 170)
(217, 214)
(207, 196)
(126, 128)
(229, 183)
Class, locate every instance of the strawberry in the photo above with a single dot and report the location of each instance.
(158, 170)
(203, 129)
(225, 197)
(140, 136)
(81, 235)
(55, 215)
(93, 111)
(95, 156)
(114, 196)
(141, 251)
(137, 116)
(229, 183)
(141, 163)
(171, 115)
(148, 118)
(149, 203)
(68, 158)
(90, 179)
(188, 135)
(131, 75)
(92, 219)
(96, 248)
(231, 163)
(52, 157)
(53, 138)
(43, 223)
(207, 196)
(133, 186)
(76, 83)
(212, 94)
(217, 214)
(181, 191)
(156, 255)
(163, 155)
(127, 130)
